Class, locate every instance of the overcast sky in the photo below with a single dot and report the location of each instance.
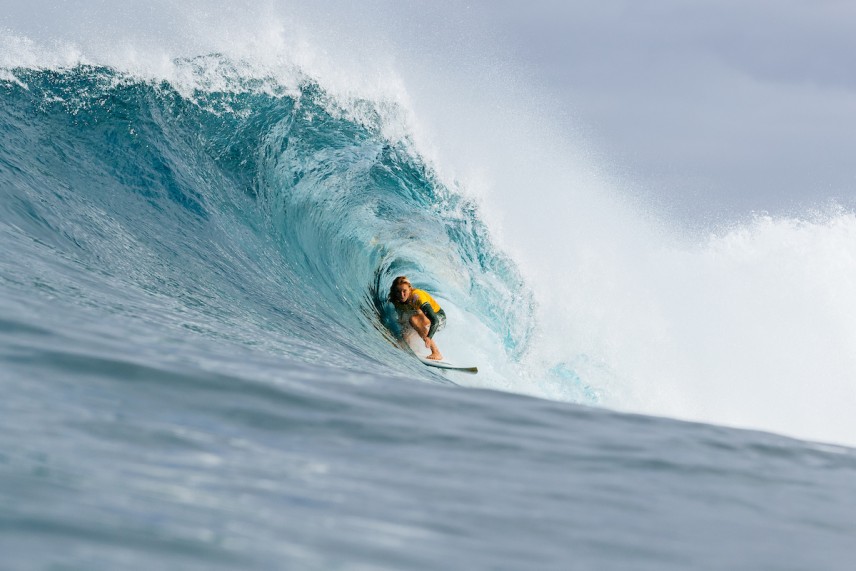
(711, 106)
(723, 105)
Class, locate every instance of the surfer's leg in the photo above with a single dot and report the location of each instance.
(421, 324)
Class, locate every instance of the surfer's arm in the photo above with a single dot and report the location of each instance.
(432, 317)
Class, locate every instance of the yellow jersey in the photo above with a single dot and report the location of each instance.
(418, 298)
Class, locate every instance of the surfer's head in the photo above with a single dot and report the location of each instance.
(399, 291)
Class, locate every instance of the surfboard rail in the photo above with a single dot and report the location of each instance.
(448, 366)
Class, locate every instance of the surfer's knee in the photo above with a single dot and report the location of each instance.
(419, 321)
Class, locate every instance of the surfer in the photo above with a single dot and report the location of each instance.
(423, 313)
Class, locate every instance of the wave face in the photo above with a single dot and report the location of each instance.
(259, 212)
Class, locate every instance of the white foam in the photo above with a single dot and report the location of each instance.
(753, 327)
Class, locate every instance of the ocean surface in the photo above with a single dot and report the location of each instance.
(199, 369)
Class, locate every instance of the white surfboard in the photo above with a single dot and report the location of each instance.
(449, 366)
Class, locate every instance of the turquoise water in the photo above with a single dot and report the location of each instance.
(198, 368)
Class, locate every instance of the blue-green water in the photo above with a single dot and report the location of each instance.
(198, 372)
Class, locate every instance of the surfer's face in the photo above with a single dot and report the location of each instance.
(403, 291)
